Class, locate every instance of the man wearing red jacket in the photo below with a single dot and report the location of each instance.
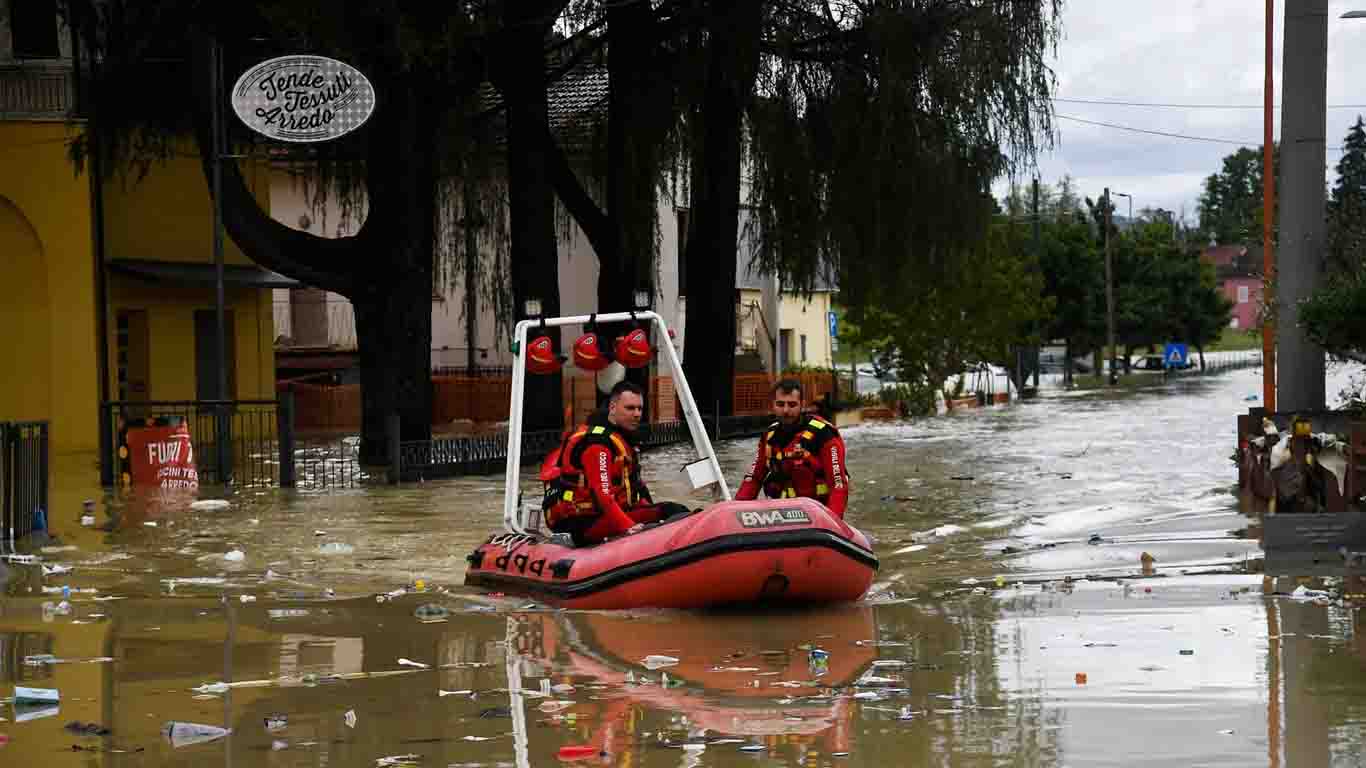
(594, 489)
(801, 454)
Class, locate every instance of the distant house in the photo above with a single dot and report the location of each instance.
(1238, 269)
(777, 321)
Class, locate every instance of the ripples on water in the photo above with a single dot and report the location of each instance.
(939, 666)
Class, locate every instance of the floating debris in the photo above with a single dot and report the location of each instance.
(185, 734)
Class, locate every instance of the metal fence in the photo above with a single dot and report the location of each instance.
(23, 479)
(262, 446)
(322, 463)
(237, 442)
(482, 371)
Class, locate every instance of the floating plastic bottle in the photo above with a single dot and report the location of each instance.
(23, 695)
(655, 661)
(184, 734)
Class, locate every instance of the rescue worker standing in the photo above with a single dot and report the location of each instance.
(594, 490)
(801, 454)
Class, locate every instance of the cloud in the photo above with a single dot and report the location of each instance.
(1175, 51)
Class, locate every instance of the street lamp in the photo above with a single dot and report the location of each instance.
(1131, 204)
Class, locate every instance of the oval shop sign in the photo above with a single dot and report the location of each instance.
(303, 98)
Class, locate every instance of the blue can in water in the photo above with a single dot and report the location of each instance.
(818, 661)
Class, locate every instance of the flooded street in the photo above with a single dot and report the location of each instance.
(1011, 622)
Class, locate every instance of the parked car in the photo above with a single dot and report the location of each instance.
(1156, 364)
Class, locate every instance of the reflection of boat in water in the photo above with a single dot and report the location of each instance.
(735, 676)
(733, 552)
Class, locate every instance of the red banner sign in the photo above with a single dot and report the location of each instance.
(162, 457)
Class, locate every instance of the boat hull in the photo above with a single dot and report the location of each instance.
(741, 552)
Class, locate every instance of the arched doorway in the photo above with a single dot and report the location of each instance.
(26, 393)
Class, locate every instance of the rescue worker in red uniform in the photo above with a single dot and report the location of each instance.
(801, 454)
(594, 490)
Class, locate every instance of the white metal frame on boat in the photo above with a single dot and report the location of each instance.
(706, 470)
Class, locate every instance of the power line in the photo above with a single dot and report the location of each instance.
(1168, 134)
(1167, 105)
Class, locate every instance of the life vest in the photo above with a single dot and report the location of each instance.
(568, 494)
(795, 467)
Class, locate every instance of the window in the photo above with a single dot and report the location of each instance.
(803, 347)
(1233, 322)
(1242, 294)
(682, 214)
(33, 28)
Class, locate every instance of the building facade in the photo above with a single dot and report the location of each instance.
(108, 265)
(1238, 268)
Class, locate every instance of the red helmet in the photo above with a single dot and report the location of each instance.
(588, 353)
(633, 349)
(541, 357)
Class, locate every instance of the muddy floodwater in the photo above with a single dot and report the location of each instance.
(1013, 621)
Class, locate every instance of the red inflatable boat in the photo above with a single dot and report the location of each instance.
(734, 552)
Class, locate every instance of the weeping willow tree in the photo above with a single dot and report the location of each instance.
(449, 195)
(875, 133)
(864, 137)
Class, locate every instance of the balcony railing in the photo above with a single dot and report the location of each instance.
(36, 92)
(336, 312)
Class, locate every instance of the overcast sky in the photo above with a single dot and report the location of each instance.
(1186, 52)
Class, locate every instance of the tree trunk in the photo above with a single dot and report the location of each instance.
(392, 296)
(714, 220)
(1200, 350)
(394, 337)
(531, 209)
(1067, 364)
(638, 116)
(385, 269)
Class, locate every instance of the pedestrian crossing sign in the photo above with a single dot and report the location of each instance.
(1174, 356)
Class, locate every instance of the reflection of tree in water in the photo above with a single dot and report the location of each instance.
(958, 646)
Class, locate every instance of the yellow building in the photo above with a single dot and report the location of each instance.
(793, 326)
(156, 269)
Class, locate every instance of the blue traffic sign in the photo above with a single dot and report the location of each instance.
(1174, 356)
(834, 324)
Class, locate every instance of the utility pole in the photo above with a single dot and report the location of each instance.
(1109, 292)
(222, 436)
(1037, 249)
(1303, 116)
(1268, 216)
